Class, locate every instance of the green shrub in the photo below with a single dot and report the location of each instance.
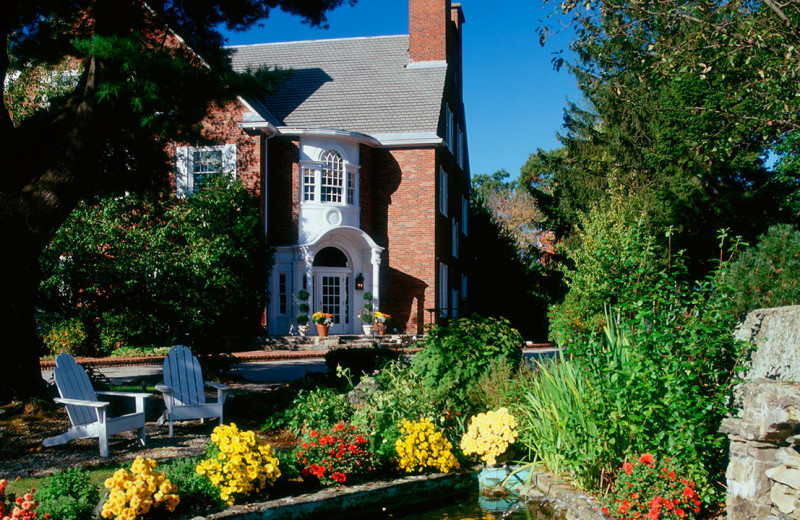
(766, 275)
(457, 355)
(658, 379)
(359, 360)
(145, 270)
(611, 252)
(319, 408)
(196, 491)
(66, 335)
(382, 401)
(68, 495)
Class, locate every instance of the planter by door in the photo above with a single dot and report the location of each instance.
(381, 328)
(322, 330)
(303, 330)
(367, 329)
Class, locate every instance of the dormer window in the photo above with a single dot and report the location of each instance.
(330, 180)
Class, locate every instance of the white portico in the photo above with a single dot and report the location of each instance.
(334, 260)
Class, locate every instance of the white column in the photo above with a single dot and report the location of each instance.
(376, 280)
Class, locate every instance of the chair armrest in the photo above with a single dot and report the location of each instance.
(80, 402)
(164, 389)
(218, 386)
(135, 395)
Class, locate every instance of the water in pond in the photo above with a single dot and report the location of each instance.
(478, 508)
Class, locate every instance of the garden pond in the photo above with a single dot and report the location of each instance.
(475, 507)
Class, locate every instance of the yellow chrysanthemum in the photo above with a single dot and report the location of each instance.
(242, 466)
(422, 447)
(489, 435)
(133, 493)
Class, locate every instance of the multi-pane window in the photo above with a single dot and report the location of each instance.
(351, 188)
(309, 184)
(196, 164)
(332, 182)
(449, 130)
(205, 163)
(283, 294)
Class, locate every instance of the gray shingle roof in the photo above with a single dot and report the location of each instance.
(356, 84)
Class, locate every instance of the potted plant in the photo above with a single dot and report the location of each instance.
(365, 314)
(323, 321)
(381, 322)
(302, 316)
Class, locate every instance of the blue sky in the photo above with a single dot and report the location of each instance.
(514, 100)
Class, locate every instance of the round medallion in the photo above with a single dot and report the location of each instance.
(333, 217)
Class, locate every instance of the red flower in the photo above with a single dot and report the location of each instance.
(627, 467)
(339, 427)
(646, 459)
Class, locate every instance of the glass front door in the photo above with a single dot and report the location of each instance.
(333, 297)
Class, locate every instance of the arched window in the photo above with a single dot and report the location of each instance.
(332, 185)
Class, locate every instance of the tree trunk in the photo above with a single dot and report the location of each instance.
(21, 376)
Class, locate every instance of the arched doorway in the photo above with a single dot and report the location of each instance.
(332, 287)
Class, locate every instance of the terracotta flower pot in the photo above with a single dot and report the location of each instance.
(381, 329)
(322, 330)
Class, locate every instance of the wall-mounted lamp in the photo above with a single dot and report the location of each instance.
(360, 282)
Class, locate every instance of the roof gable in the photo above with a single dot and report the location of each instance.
(356, 84)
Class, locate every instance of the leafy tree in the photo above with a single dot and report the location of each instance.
(522, 283)
(135, 87)
(513, 208)
(142, 271)
(682, 101)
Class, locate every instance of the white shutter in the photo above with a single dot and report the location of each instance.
(182, 171)
(229, 160)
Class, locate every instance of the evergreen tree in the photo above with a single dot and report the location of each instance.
(136, 75)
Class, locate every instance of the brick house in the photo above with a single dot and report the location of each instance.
(360, 160)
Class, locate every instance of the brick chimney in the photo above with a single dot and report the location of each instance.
(427, 27)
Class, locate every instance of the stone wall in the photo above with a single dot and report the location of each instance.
(764, 469)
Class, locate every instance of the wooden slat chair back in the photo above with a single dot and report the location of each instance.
(184, 389)
(87, 414)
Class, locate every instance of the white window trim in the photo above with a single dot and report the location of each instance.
(443, 191)
(351, 173)
(184, 156)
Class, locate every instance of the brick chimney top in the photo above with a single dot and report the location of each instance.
(427, 26)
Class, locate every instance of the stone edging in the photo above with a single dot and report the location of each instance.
(332, 503)
(577, 505)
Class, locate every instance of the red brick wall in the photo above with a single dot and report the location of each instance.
(283, 191)
(221, 126)
(403, 221)
(427, 26)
